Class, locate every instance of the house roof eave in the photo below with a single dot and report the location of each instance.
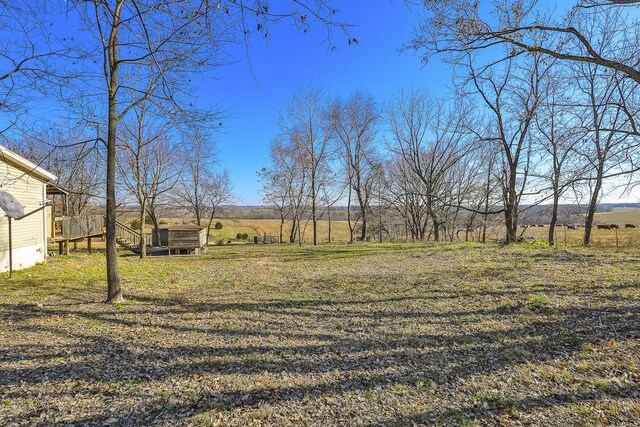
(29, 167)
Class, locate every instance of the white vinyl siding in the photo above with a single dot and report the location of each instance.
(29, 234)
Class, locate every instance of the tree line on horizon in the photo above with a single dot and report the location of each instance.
(522, 125)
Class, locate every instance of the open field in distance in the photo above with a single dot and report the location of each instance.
(258, 227)
(628, 238)
(619, 216)
(340, 230)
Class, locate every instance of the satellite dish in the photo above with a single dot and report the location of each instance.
(10, 205)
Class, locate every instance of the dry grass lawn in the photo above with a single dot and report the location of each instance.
(371, 335)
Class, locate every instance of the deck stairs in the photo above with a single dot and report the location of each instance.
(127, 237)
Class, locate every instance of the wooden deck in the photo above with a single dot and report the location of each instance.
(176, 238)
(74, 228)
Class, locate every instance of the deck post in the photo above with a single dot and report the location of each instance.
(66, 247)
(89, 245)
(60, 247)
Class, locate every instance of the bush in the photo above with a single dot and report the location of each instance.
(135, 223)
(239, 236)
(245, 236)
(218, 226)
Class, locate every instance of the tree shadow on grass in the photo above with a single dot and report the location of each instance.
(352, 352)
(495, 410)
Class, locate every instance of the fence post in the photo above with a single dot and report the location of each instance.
(617, 246)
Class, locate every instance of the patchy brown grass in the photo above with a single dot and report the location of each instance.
(335, 335)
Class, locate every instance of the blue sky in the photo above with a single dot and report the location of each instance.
(292, 60)
(251, 94)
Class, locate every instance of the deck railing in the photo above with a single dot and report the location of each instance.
(127, 233)
(77, 227)
(84, 226)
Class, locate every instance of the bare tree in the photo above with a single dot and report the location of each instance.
(460, 26)
(287, 179)
(170, 41)
(202, 189)
(353, 125)
(304, 123)
(558, 139)
(33, 59)
(512, 97)
(147, 164)
(490, 181)
(219, 191)
(596, 33)
(429, 135)
(154, 41)
(605, 151)
(275, 192)
(404, 195)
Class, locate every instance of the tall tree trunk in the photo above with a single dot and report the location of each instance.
(436, 228)
(143, 243)
(469, 226)
(381, 212)
(591, 210)
(602, 156)
(114, 289)
(156, 227)
(510, 223)
(434, 219)
(363, 235)
(329, 217)
(406, 219)
(484, 229)
(422, 231)
(314, 219)
(292, 233)
(315, 229)
(511, 208)
(554, 217)
(363, 214)
(487, 190)
(349, 216)
(213, 212)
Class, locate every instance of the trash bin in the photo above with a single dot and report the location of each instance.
(256, 240)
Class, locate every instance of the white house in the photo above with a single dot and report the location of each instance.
(28, 183)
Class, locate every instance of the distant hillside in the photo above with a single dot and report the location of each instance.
(620, 215)
(538, 214)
